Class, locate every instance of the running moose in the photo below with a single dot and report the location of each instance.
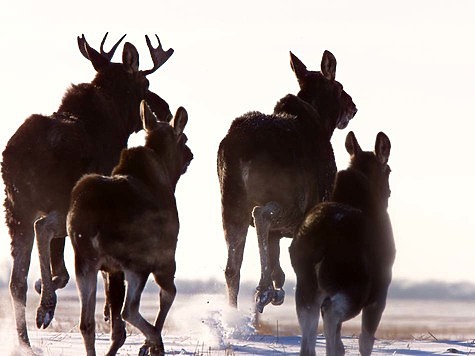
(273, 168)
(47, 155)
(127, 225)
(344, 251)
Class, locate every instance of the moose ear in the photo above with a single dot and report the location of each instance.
(352, 145)
(298, 67)
(149, 120)
(179, 121)
(130, 57)
(382, 147)
(328, 65)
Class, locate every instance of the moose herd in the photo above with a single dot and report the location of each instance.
(71, 174)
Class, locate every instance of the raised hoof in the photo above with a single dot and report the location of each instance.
(45, 314)
(263, 297)
(279, 295)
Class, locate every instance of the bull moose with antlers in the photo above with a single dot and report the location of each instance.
(47, 155)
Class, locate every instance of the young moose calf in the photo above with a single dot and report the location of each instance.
(127, 225)
(344, 251)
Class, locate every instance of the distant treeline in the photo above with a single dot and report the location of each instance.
(399, 289)
(427, 290)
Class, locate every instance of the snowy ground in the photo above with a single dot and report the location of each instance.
(201, 324)
(53, 343)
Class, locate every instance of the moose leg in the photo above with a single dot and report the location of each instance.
(46, 229)
(263, 218)
(167, 295)
(307, 301)
(371, 317)
(86, 279)
(105, 280)
(114, 301)
(334, 311)
(58, 267)
(165, 279)
(278, 275)
(235, 235)
(135, 285)
(21, 246)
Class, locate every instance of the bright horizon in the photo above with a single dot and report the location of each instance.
(408, 66)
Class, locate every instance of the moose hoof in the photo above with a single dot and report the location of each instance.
(278, 298)
(38, 286)
(152, 349)
(263, 297)
(44, 316)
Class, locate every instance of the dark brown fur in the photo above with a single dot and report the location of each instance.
(344, 251)
(273, 168)
(127, 225)
(48, 154)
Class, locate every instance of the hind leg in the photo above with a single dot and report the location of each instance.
(371, 317)
(21, 246)
(114, 301)
(307, 302)
(47, 228)
(86, 279)
(334, 309)
(105, 280)
(135, 285)
(277, 274)
(165, 279)
(235, 235)
(264, 217)
(58, 267)
(60, 275)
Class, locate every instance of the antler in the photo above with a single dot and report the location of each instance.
(82, 43)
(110, 54)
(159, 56)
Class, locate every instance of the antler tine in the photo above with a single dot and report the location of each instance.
(110, 54)
(159, 56)
(82, 46)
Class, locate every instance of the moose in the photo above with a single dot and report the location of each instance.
(273, 168)
(47, 155)
(344, 250)
(127, 224)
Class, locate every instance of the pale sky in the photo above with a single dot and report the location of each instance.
(409, 66)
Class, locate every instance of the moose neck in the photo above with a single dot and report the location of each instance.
(144, 165)
(326, 116)
(353, 188)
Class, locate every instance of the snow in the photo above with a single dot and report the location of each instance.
(202, 324)
(52, 343)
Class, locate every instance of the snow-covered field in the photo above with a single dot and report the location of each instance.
(201, 324)
(51, 343)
